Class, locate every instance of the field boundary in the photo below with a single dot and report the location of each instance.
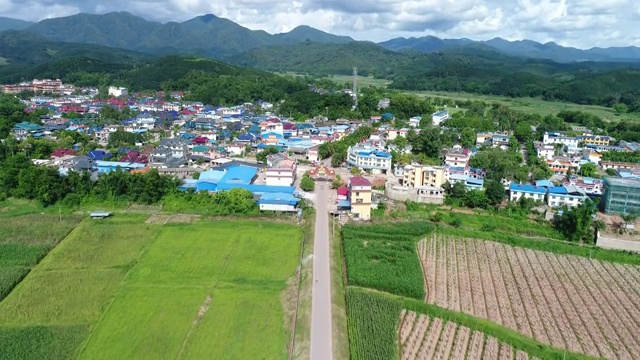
(292, 343)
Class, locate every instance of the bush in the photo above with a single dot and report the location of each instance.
(455, 221)
(307, 183)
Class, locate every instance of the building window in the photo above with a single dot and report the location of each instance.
(357, 193)
(358, 201)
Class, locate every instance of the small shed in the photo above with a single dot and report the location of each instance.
(100, 215)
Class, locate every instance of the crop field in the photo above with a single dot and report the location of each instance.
(383, 257)
(122, 288)
(372, 320)
(569, 302)
(424, 337)
(24, 240)
(533, 105)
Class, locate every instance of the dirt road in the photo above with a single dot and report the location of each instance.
(321, 343)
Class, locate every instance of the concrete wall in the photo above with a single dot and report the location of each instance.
(399, 193)
(618, 244)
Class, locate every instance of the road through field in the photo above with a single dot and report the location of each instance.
(321, 344)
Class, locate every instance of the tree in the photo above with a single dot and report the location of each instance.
(523, 132)
(467, 138)
(495, 192)
(196, 175)
(307, 183)
(611, 172)
(577, 223)
(588, 170)
(475, 199)
(620, 108)
(261, 156)
(458, 190)
(428, 142)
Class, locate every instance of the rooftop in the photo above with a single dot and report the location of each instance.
(359, 181)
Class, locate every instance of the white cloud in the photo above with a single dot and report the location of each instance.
(580, 23)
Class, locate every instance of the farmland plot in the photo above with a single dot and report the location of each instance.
(424, 337)
(569, 302)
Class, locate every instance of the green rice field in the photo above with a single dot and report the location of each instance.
(127, 288)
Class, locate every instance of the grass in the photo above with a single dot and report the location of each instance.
(338, 295)
(362, 80)
(534, 105)
(247, 321)
(209, 289)
(40, 342)
(26, 237)
(384, 257)
(60, 297)
(302, 335)
(145, 323)
(241, 266)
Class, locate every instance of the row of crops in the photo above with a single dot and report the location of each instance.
(372, 321)
(384, 257)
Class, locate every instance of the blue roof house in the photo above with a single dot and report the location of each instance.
(518, 191)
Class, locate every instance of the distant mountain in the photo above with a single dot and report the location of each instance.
(307, 33)
(206, 35)
(520, 48)
(319, 59)
(13, 24)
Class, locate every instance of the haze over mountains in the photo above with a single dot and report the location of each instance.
(209, 35)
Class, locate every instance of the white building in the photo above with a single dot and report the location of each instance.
(439, 117)
(457, 157)
(118, 91)
(558, 138)
(368, 157)
(546, 152)
(281, 170)
(571, 196)
(415, 121)
(517, 191)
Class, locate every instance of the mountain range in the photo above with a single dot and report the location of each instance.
(220, 38)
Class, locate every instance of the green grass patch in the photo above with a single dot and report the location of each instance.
(362, 80)
(384, 257)
(162, 312)
(40, 342)
(60, 297)
(145, 323)
(95, 244)
(511, 337)
(36, 229)
(372, 322)
(482, 220)
(248, 323)
(26, 238)
(534, 105)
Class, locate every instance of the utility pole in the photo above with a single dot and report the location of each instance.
(355, 87)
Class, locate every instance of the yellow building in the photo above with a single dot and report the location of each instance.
(360, 197)
(596, 140)
(419, 176)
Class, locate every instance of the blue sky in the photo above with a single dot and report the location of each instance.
(578, 23)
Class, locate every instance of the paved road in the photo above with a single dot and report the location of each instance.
(321, 340)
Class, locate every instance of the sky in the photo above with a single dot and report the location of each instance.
(577, 23)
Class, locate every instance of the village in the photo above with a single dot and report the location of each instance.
(214, 148)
